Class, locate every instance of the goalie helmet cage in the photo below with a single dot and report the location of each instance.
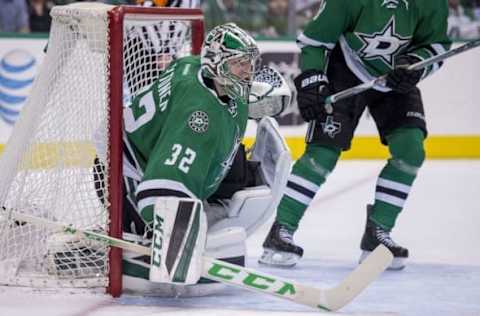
(63, 161)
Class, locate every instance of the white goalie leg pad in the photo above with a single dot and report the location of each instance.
(227, 243)
(251, 207)
(136, 277)
(248, 208)
(179, 235)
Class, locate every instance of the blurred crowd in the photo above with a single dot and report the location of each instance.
(268, 18)
(25, 15)
(464, 19)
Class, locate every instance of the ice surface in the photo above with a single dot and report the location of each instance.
(440, 225)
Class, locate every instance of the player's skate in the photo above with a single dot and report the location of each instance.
(279, 248)
(375, 235)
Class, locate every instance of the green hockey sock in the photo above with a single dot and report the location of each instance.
(396, 178)
(308, 174)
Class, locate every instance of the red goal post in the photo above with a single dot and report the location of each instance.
(117, 17)
(63, 161)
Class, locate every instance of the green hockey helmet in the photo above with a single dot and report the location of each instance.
(229, 56)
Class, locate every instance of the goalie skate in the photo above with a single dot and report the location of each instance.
(279, 248)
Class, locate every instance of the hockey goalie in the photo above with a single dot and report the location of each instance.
(190, 189)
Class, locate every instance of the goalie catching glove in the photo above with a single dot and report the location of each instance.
(270, 94)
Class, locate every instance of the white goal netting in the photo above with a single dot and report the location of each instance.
(56, 163)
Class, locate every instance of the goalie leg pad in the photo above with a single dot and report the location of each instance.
(179, 235)
(228, 244)
(136, 280)
(249, 208)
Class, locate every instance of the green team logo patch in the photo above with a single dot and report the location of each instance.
(198, 122)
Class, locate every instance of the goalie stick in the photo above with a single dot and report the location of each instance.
(330, 299)
(381, 80)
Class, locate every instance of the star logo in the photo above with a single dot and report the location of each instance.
(384, 45)
(330, 127)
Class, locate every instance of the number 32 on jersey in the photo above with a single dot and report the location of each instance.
(184, 157)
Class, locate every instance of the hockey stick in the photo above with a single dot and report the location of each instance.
(381, 80)
(330, 299)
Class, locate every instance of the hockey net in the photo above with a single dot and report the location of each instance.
(63, 160)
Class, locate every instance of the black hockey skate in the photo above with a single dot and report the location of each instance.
(375, 235)
(279, 249)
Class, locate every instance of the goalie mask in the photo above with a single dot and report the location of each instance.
(229, 56)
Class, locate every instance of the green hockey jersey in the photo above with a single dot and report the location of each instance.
(180, 137)
(371, 33)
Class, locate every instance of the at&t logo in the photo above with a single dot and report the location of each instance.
(17, 70)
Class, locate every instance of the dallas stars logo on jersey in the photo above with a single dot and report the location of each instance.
(384, 45)
(198, 121)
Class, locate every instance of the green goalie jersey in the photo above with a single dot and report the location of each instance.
(180, 137)
(372, 32)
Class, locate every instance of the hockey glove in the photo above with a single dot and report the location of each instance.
(312, 90)
(401, 79)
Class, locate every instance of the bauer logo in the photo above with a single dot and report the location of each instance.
(17, 70)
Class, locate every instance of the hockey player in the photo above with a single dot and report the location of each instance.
(182, 136)
(345, 44)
